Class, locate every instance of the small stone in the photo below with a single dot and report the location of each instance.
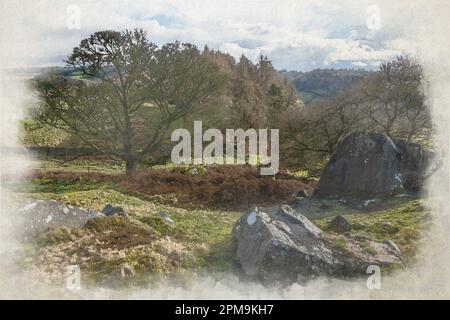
(193, 171)
(301, 194)
(166, 218)
(127, 271)
(369, 203)
(340, 224)
(162, 214)
(169, 221)
(392, 245)
(110, 210)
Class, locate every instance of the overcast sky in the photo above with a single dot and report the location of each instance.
(294, 34)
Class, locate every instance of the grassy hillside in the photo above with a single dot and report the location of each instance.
(142, 248)
(323, 83)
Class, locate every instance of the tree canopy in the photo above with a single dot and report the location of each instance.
(135, 92)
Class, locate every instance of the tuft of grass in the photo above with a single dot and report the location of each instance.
(156, 223)
(56, 236)
(339, 244)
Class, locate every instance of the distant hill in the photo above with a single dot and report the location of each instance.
(323, 83)
(312, 85)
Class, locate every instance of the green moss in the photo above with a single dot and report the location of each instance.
(205, 226)
(119, 233)
(403, 225)
(199, 240)
(339, 244)
(100, 166)
(161, 227)
(205, 235)
(55, 236)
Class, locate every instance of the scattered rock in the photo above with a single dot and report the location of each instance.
(301, 194)
(127, 271)
(40, 215)
(193, 171)
(373, 163)
(392, 245)
(340, 224)
(110, 210)
(166, 218)
(402, 195)
(286, 247)
(370, 204)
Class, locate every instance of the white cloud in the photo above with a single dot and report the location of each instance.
(294, 34)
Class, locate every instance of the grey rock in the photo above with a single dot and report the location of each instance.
(162, 214)
(40, 215)
(272, 250)
(393, 246)
(127, 271)
(373, 163)
(110, 210)
(340, 224)
(301, 194)
(166, 218)
(286, 247)
(370, 203)
(193, 172)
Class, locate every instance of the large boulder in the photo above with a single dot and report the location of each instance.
(373, 163)
(40, 215)
(286, 247)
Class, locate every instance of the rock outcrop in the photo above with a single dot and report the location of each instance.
(286, 247)
(40, 215)
(373, 163)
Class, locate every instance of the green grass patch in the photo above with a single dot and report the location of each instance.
(404, 225)
(81, 165)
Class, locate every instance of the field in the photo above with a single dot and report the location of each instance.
(203, 203)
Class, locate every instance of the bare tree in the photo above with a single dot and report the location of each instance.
(394, 100)
(311, 134)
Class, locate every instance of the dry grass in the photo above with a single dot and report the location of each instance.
(224, 187)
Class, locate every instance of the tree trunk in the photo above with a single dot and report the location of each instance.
(130, 166)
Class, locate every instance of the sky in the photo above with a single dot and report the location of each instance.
(294, 34)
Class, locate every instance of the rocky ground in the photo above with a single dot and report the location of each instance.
(181, 222)
(158, 239)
